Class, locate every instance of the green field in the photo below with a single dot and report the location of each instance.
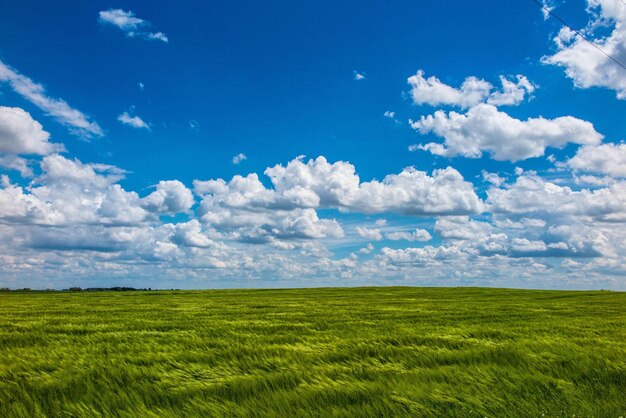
(322, 352)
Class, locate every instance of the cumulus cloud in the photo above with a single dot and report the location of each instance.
(462, 228)
(246, 210)
(492, 178)
(21, 134)
(130, 24)
(486, 129)
(424, 256)
(76, 218)
(239, 158)
(609, 159)
(336, 185)
(190, 234)
(530, 195)
(170, 197)
(416, 235)
(472, 91)
(367, 249)
(513, 92)
(134, 121)
(13, 162)
(69, 192)
(373, 234)
(582, 61)
(35, 93)
(320, 184)
(359, 75)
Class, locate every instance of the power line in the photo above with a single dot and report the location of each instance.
(563, 22)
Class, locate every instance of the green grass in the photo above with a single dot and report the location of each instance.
(323, 352)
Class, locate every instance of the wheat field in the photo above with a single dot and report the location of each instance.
(455, 352)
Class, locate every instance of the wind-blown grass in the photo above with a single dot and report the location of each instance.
(322, 352)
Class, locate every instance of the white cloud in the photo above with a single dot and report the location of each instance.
(130, 24)
(373, 234)
(462, 228)
(606, 158)
(245, 210)
(416, 235)
(190, 234)
(21, 134)
(367, 249)
(486, 129)
(492, 178)
(57, 108)
(512, 93)
(69, 192)
(532, 196)
(391, 115)
(582, 61)
(425, 256)
(239, 158)
(160, 36)
(134, 121)
(434, 92)
(359, 75)
(122, 19)
(170, 196)
(547, 8)
(13, 162)
(76, 219)
(304, 224)
(526, 246)
(411, 192)
(473, 91)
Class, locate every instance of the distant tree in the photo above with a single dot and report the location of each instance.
(75, 289)
(4, 289)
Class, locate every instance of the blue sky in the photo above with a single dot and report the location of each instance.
(117, 166)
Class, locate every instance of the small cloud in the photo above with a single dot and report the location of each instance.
(381, 222)
(492, 178)
(195, 126)
(239, 158)
(134, 121)
(359, 75)
(391, 115)
(130, 24)
(13, 162)
(141, 86)
(373, 234)
(160, 36)
(546, 8)
(367, 249)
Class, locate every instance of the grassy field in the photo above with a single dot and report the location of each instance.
(323, 352)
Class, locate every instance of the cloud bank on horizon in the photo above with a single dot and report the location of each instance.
(503, 188)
